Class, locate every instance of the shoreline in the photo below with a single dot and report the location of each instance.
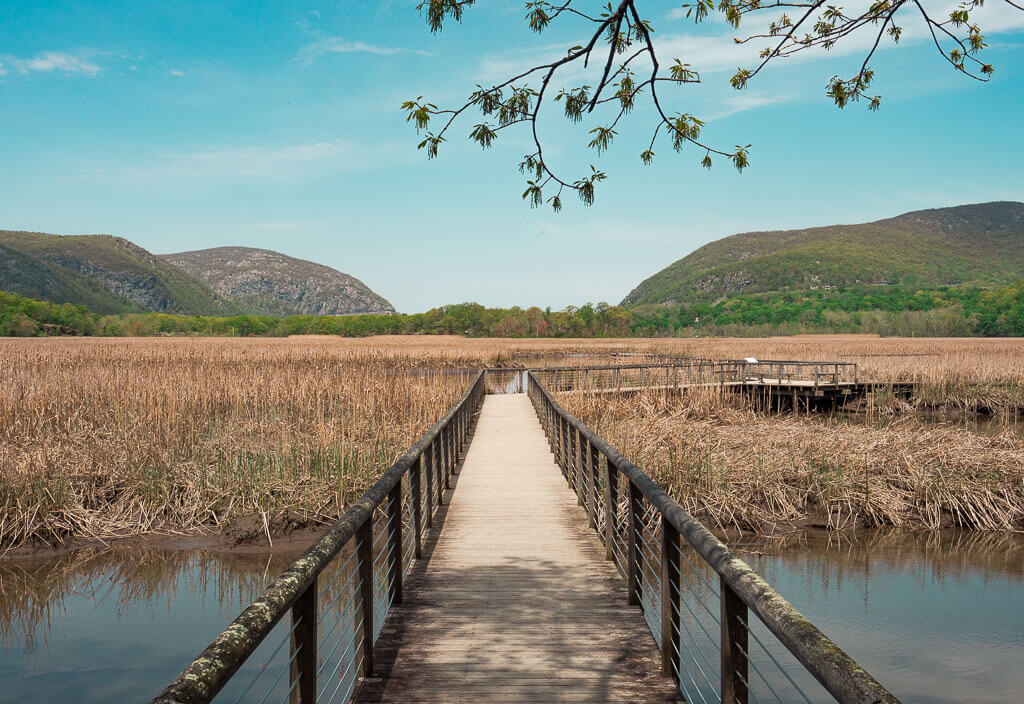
(296, 541)
(290, 541)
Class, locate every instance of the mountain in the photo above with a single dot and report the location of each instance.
(107, 274)
(969, 244)
(271, 283)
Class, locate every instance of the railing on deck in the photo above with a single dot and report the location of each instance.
(632, 377)
(773, 371)
(696, 596)
(339, 592)
(690, 373)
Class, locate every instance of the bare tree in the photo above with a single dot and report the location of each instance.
(618, 37)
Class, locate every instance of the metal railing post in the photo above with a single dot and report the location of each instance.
(633, 545)
(669, 600)
(458, 433)
(442, 464)
(365, 560)
(561, 445)
(446, 433)
(568, 455)
(428, 495)
(395, 543)
(439, 459)
(556, 436)
(464, 417)
(416, 488)
(552, 429)
(611, 507)
(594, 464)
(734, 646)
(442, 480)
(303, 653)
(577, 455)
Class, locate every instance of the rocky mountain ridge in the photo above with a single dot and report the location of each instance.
(111, 275)
(271, 283)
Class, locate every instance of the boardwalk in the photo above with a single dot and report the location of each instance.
(511, 599)
(516, 602)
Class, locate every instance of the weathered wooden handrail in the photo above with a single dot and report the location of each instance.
(296, 589)
(741, 588)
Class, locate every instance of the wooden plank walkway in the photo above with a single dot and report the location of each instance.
(514, 601)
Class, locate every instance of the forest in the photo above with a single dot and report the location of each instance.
(894, 310)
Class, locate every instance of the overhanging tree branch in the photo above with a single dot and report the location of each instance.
(519, 99)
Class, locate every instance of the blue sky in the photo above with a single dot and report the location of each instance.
(183, 125)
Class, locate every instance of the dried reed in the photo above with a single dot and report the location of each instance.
(102, 439)
(108, 438)
(736, 468)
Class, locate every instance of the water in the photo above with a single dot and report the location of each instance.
(117, 625)
(935, 617)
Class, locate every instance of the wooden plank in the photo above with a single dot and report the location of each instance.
(514, 601)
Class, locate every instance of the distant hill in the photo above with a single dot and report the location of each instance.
(271, 283)
(107, 274)
(970, 244)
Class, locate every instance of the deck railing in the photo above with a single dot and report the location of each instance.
(676, 570)
(775, 371)
(691, 373)
(338, 592)
(632, 377)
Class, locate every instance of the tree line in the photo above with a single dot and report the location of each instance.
(885, 310)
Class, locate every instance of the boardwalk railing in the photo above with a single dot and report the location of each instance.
(779, 371)
(689, 373)
(675, 570)
(694, 594)
(339, 592)
(631, 377)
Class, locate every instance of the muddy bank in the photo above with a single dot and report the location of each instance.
(285, 532)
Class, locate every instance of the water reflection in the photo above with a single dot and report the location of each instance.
(936, 617)
(117, 624)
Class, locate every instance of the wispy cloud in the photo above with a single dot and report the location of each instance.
(175, 72)
(336, 45)
(742, 102)
(50, 62)
(261, 160)
(312, 161)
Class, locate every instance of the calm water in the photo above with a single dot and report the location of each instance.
(936, 618)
